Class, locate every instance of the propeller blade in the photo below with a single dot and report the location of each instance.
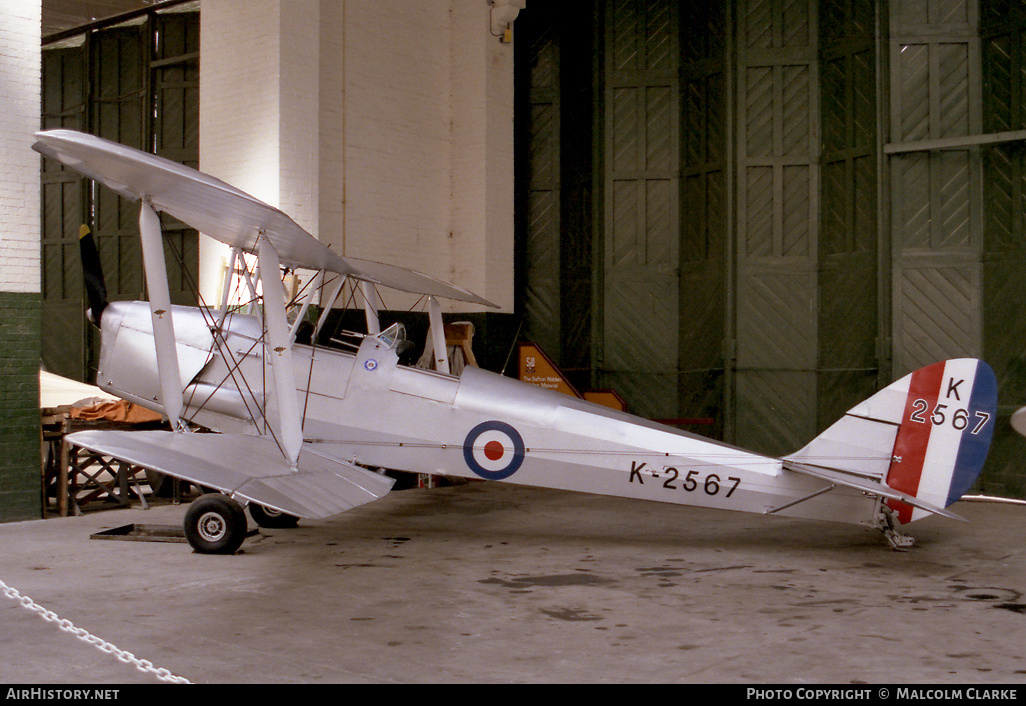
(92, 273)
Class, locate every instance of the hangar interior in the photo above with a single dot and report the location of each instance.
(759, 211)
(743, 216)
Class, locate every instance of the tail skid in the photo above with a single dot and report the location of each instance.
(919, 444)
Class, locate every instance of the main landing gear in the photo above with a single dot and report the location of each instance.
(216, 523)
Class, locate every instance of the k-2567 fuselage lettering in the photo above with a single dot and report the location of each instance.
(690, 480)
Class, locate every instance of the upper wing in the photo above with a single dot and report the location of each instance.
(246, 467)
(221, 211)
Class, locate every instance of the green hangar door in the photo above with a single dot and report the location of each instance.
(747, 216)
(136, 83)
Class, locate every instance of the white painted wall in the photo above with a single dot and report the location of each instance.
(384, 127)
(19, 166)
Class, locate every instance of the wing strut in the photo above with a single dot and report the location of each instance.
(313, 289)
(160, 310)
(327, 304)
(279, 350)
(226, 285)
(438, 335)
(371, 304)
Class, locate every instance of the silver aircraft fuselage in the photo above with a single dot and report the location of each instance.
(368, 409)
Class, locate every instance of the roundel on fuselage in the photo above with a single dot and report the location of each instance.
(493, 450)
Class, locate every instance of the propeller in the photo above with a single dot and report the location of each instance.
(92, 273)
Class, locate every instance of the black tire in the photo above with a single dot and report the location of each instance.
(215, 524)
(266, 517)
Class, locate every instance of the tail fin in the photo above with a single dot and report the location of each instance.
(925, 436)
(946, 428)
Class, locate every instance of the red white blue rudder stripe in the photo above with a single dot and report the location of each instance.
(944, 433)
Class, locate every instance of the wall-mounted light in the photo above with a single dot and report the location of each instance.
(502, 15)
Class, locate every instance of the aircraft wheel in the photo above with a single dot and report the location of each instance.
(266, 517)
(215, 524)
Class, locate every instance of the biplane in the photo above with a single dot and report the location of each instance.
(265, 416)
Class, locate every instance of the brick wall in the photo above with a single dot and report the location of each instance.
(20, 489)
(239, 121)
(20, 485)
(384, 127)
(398, 127)
(482, 88)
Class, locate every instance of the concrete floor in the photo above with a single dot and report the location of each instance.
(496, 583)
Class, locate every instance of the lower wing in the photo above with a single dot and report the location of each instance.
(249, 468)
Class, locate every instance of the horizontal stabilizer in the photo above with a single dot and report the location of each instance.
(250, 468)
(868, 486)
(1018, 420)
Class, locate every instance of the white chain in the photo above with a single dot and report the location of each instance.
(66, 625)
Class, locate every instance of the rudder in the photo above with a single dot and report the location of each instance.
(945, 416)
